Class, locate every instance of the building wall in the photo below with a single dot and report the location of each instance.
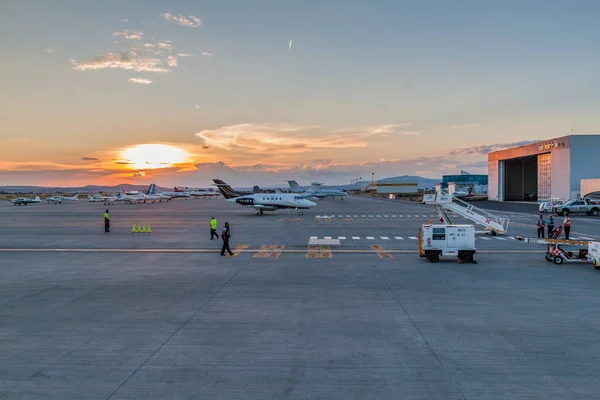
(589, 186)
(561, 176)
(493, 180)
(585, 160)
(402, 188)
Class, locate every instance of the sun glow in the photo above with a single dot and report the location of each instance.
(153, 156)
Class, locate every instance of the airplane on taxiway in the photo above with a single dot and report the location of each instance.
(318, 191)
(23, 201)
(61, 199)
(265, 201)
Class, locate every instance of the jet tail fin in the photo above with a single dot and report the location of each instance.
(37, 198)
(313, 188)
(294, 187)
(256, 189)
(225, 189)
(151, 189)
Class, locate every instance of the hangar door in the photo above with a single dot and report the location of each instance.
(521, 179)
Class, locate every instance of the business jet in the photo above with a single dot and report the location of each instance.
(152, 194)
(197, 192)
(61, 199)
(23, 201)
(460, 194)
(319, 192)
(265, 201)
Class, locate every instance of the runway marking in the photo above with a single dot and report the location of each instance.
(355, 237)
(242, 247)
(385, 238)
(362, 216)
(281, 219)
(314, 237)
(327, 237)
(398, 237)
(412, 237)
(318, 251)
(380, 252)
(370, 238)
(370, 216)
(386, 216)
(483, 238)
(202, 251)
(342, 237)
(500, 238)
(379, 216)
(393, 216)
(269, 251)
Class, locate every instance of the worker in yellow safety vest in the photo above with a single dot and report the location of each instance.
(567, 225)
(213, 228)
(106, 222)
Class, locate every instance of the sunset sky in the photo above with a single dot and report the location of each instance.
(257, 92)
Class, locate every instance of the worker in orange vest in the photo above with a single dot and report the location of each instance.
(567, 225)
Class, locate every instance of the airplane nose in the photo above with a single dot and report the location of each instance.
(311, 203)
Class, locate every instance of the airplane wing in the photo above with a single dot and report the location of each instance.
(263, 207)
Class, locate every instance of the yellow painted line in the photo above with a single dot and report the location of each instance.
(66, 250)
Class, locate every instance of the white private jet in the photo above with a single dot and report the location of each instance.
(61, 199)
(317, 190)
(23, 201)
(265, 201)
(197, 192)
(102, 199)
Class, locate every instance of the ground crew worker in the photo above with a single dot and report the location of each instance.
(106, 222)
(567, 225)
(213, 228)
(550, 224)
(225, 235)
(540, 227)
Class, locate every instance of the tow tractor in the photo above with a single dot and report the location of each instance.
(447, 240)
(570, 251)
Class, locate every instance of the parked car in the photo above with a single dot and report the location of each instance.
(588, 206)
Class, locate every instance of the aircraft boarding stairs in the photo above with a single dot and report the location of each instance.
(445, 202)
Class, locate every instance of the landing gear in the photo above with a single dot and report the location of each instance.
(260, 212)
(301, 213)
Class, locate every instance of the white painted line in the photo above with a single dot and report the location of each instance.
(340, 216)
(500, 238)
(362, 216)
(484, 238)
(412, 237)
(347, 216)
(385, 238)
(370, 216)
(386, 216)
(355, 237)
(370, 238)
(398, 237)
(393, 216)
(328, 237)
(425, 216)
(324, 241)
(314, 237)
(379, 216)
(409, 216)
(356, 216)
(342, 237)
(585, 238)
(401, 215)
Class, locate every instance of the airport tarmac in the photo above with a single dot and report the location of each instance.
(85, 314)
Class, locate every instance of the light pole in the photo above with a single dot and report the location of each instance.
(359, 181)
(351, 184)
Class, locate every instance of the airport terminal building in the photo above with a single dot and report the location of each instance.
(544, 170)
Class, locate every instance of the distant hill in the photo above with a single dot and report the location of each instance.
(80, 189)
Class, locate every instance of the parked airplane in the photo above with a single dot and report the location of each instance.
(23, 201)
(172, 195)
(459, 194)
(61, 199)
(102, 199)
(318, 191)
(152, 194)
(264, 201)
(197, 192)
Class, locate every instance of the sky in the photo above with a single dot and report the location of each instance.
(257, 92)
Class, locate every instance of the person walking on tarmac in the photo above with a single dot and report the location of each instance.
(540, 227)
(550, 225)
(213, 228)
(567, 225)
(106, 222)
(225, 235)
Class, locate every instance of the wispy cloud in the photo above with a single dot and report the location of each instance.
(141, 81)
(184, 55)
(122, 61)
(124, 20)
(285, 138)
(190, 21)
(89, 159)
(463, 126)
(51, 51)
(172, 61)
(485, 149)
(207, 54)
(135, 35)
(164, 44)
(290, 45)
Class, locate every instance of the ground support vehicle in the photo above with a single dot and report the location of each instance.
(588, 206)
(436, 241)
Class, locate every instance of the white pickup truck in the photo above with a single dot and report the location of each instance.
(588, 206)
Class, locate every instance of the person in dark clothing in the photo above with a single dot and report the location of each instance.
(106, 222)
(225, 235)
(540, 227)
(550, 225)
(567, 225)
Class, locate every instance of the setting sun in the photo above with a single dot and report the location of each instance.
(152, 156)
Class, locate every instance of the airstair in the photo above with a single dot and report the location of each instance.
(445, 202)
